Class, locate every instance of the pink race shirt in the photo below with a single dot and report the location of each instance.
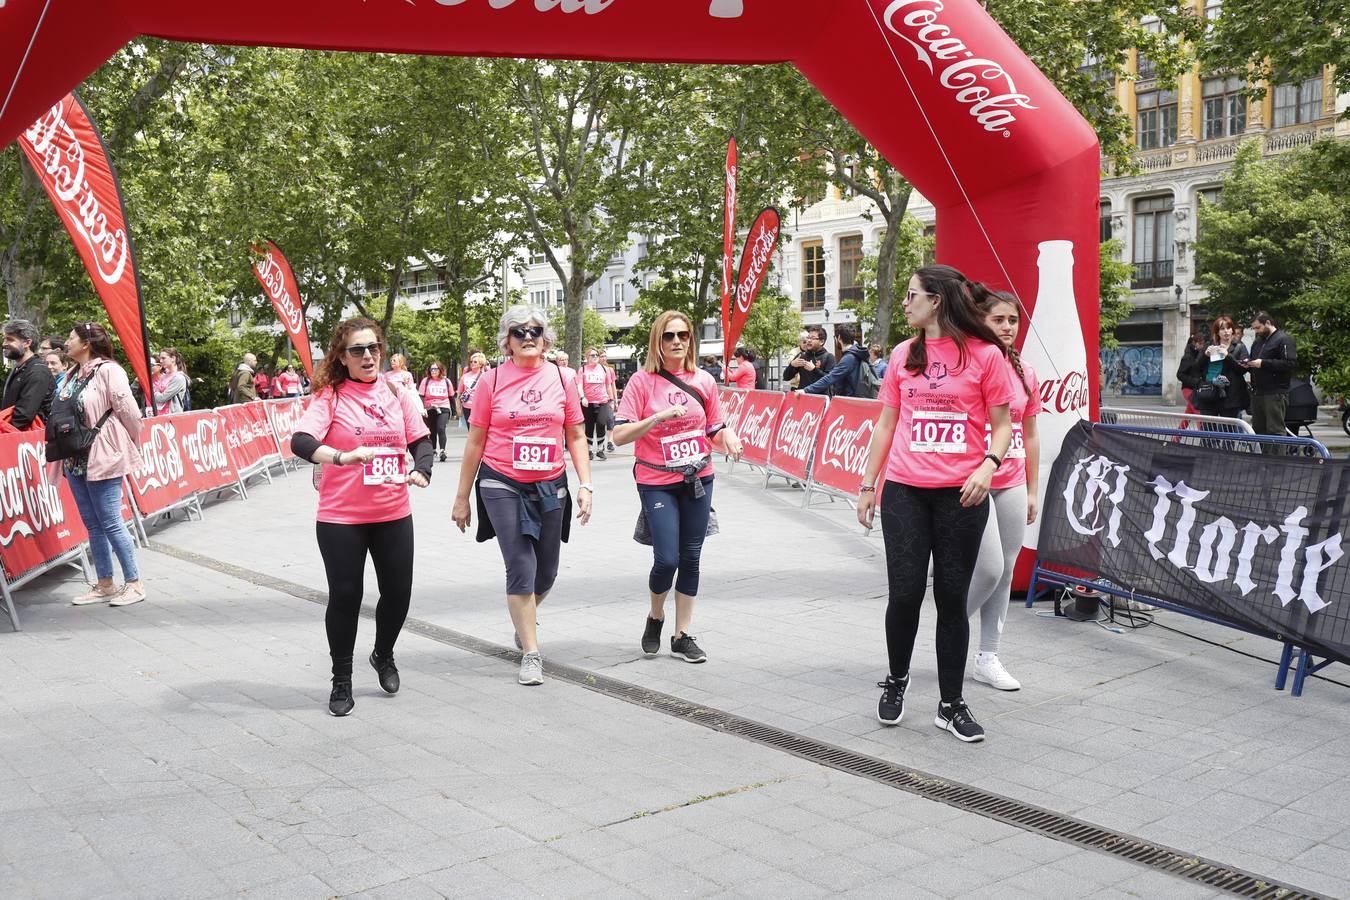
(524, 412)
(939, 438)
(595, 382)
(362, 415)
(1013, 472)
(436, 392)
(468, 383)
(401, 379)
(674, 440)
(743, 376)
(290, 383)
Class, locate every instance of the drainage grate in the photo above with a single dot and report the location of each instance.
(960, 796)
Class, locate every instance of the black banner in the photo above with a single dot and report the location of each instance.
(1254, 539)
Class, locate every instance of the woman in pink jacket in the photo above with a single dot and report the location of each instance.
(99, 388)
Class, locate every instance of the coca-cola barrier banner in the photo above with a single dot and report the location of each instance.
(841, 449)
(66, 152)
(284, 415)
(1254, 540)
(38, 518)
(181, 455)
(278, 281)
(733, 400)
(794, 435)
(248, 434)
(757, 424)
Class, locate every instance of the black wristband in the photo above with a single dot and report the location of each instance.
(997, 462)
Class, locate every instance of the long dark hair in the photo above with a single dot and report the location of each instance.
(958, 315)
(96, 336)
(991, 300)
(331, 370)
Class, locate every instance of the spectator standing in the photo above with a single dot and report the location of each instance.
(170, 385)
(812, 361)
(242, 388)
(262, 384)
(877, 354)
(100, 396)
(1220, 388)
(1271, 365)
(842, 378)
(1190, 358)
(709, 365)
(29, 387)
(59, 364)
(742, 375)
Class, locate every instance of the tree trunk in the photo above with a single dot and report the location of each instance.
(574, 299)
(463, 333)
(890, 239)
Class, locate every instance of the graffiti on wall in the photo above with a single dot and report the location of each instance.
(1132, 370)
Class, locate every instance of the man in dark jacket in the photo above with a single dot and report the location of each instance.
(28, 389)
(812, 360)
(1270, 366)
(1190, 358)
(842, 379)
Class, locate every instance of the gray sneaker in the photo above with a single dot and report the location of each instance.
(532, 668)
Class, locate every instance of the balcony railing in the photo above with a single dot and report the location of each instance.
(1152, 274)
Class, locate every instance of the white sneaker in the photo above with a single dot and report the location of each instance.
(531, 669)
(990, 671)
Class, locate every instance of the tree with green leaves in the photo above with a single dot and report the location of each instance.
(1281, 40)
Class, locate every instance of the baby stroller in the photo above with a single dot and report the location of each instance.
(1301, 412)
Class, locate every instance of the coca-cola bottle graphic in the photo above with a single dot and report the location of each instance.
(1053, 345)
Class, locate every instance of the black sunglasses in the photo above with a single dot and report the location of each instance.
(672, 335)
(521, 332)
(360, 350)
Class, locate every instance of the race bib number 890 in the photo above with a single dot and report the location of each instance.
(937, 432)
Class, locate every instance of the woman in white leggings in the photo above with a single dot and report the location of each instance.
(1013, 496)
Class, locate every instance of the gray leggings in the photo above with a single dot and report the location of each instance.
(531, 565)
(999, 547)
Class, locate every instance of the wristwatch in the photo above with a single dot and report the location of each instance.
(994, 456)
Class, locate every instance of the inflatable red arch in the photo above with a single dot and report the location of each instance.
(935, 85)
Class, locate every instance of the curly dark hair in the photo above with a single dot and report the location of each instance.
(331, 370)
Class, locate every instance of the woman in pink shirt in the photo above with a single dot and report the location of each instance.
(942, 388)
(468, 382)
(398, 374)
(597, 392)
(1013, 495)
(99, 393)
(525, 412)
(672, 412)
(287, 383)
(743, 376)
(437, 392)
(361, 429)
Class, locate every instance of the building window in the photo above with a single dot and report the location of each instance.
(1153, 256)
(929, 245)
(1104, 222)
(1205, 197)
(538, 259)
(616, 294)
(1144, 67)
(1156, 119)
(1212, 9)
(850, 259)
(813, 276)
(539, 298)
(1225, 110)
(558, 296)
(710, 331)
(1297, 102)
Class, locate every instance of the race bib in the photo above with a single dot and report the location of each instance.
(1017, 449)
(685, 449)
(934, 431)
(387, 464)
(535, 454)
(595, 377)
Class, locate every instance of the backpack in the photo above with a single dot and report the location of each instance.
(67, 435)
(187, 394)
(869, 385)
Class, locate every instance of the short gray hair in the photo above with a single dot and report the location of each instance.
(25, 329)
(523, 314)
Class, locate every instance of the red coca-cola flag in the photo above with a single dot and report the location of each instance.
(755, 259)
(794, 436)
(278, 281)
(70, 160)
(758, 424)
(38, 519)
(728, 240)
(841, 452)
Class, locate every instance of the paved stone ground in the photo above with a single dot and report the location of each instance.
(180, 748)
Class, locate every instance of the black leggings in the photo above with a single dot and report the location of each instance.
(917, 523)
(596, 416)
(344, 549)
(437, 419)
(678, 524)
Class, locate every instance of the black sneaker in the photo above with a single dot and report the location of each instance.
(387, 671)
(442, 456)
(685, 648)
(651, 636)
(340, 702)
(592, 454)
(956, 718)
(601, 455)
(891, 706)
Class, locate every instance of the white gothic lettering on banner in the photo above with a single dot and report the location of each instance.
(28, 500)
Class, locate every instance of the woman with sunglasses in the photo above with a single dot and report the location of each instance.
(524, 413)
(942, 387)
(436, 390)
(361, 429)
(468, 383)
(597, 392)
(672, 410)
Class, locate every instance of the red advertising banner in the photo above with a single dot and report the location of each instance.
(70, 160)
(733, 400)
(757, 425)
(755, 260)
(247, 434)
(38, 519)
(728, 242)
(278, 281)
(794, 436)
(841, 452)
(182, 455)
(283, 416)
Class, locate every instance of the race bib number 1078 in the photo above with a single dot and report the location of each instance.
(932, 431)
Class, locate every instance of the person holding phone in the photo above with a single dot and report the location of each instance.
(1219, 372)
(361, 429)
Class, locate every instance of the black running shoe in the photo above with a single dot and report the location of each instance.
(442, 456)
(956, 718)
(891, 706)
(685, 648)
(592, 454)
(340, 702)
(387, 671)
(601, 455)
(651, 636)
